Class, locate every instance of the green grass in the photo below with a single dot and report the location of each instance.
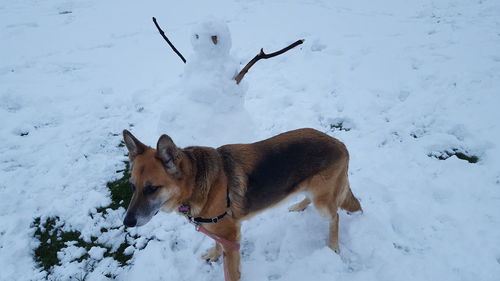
(468, 158)
(121, 144)
(120, 191)
(460, 154)
(53, 238)
(339, 126)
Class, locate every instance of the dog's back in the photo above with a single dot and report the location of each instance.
(264, 173)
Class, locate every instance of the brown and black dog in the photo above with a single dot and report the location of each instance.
(256, 176)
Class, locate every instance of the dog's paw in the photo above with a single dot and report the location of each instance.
(212, 254)
(299, 207)
(334, 247)
(296, 208)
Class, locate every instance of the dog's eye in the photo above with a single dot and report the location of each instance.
(150, 189)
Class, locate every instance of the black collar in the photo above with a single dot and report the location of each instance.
(186, 209)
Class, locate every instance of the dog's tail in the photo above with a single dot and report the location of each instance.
(351, 203)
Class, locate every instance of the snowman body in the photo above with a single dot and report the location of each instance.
(210, 107)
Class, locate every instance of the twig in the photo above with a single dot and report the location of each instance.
(263, 55)
(168, 41)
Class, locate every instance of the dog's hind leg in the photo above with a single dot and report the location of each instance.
(350, 203)
(301, 206)
(213, 253)
(325, 191)
(329, 210)
(333, 238)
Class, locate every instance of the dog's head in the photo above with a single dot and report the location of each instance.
(157, 179)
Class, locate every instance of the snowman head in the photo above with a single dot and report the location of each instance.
(211, 38)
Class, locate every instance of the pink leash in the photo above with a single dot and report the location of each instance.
(226, 243)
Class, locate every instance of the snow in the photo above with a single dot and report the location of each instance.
(405, 79)
(97, 253)
(71, 253)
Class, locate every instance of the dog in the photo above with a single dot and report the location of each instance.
(237, 181)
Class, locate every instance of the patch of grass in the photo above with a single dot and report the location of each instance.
(121, 144)
(119, 255)
(468, 158)
(460, 154)
(51, 241)
(120, 190)
(53, 238)
(340, 126)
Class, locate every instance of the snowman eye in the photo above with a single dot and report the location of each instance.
(196, 36)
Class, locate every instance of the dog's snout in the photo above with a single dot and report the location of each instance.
(130, 220)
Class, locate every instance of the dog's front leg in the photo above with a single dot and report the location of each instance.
(232, 264)
(230, 231)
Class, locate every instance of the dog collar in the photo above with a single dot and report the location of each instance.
(207, 220)
(186, 210)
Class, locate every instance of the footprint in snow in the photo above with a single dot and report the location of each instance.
(271, 254)
(317, 46)
(403, 248)
(403, 95)
(441, 196)
(351, 259)
(398, 226)
(416, 64)
(275, 276)
(10, 102)
(70, 67)
(177, 244)
(7, 70)
(248, 247)
(21, 25)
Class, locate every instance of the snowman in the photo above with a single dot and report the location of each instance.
(209, 109)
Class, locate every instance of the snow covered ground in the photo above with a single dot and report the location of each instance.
(407, 81)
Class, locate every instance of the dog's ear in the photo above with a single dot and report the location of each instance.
(169, 154)
(134, 146)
